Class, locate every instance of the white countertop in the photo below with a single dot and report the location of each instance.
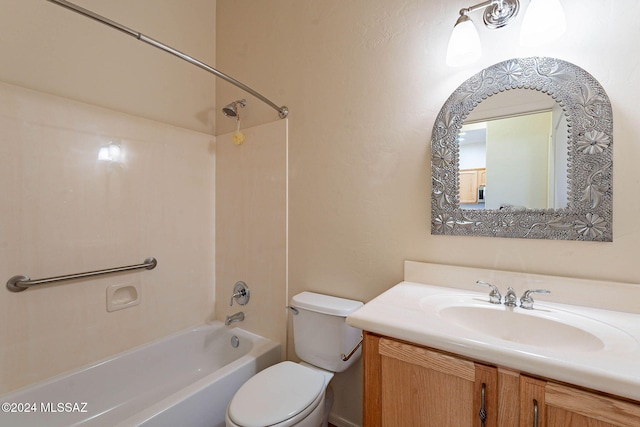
(406, 312)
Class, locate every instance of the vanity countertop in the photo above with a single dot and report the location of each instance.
(413, 312)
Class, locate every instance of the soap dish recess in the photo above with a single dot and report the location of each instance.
(123, 296)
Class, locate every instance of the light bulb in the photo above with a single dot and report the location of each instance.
(543, 22)
(464, 43)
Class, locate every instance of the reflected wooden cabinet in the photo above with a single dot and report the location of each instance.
(482, 177)
(469, 180)
(411, 385)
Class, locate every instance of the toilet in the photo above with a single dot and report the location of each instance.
(298, 394)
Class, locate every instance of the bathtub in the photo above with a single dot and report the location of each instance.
(186, 379)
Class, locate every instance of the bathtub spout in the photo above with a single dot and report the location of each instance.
(238, 317)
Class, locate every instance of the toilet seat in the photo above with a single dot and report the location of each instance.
(277, 394)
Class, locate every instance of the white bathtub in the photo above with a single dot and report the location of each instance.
(186, 379)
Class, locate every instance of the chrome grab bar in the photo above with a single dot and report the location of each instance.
(21, 283)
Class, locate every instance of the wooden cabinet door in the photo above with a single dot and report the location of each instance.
(482, 177)
(414, 386)
(468, 186)
(422, 387)
(562, 406)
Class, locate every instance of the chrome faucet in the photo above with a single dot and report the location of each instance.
(240, 293)
(494, 295)
(511, 299)
(526, 301)
(238, 317)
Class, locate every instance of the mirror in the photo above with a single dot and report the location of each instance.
(524, 149)
(516, 143)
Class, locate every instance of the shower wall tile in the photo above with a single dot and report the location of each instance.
(63, 211)
(251, 227)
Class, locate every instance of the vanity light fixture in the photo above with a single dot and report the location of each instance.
(544, 21)
(464, 42)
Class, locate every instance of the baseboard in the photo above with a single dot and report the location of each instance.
(341, 422)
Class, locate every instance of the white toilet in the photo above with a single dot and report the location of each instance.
(297, 394)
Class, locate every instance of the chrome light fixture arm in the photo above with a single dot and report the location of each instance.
(497, 13)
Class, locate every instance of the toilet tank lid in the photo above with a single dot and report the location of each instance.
(325, 304)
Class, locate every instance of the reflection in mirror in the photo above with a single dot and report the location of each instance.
(524, 149)
(513, 153)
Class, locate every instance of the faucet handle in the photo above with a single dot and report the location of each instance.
(526, 301)
(494, 295)
(240, 293)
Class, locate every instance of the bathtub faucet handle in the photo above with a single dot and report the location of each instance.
(240, 293)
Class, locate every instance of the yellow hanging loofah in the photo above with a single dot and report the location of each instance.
(237, 138)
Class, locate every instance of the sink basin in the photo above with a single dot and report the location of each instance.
(522, 326)
(591, 347)
(543, 327)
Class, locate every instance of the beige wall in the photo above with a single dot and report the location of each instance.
(51, 49)
(364, 80)
(63, 212)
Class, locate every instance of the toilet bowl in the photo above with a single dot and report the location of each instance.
(298, 394)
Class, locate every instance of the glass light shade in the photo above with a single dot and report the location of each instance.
(543, 22)
(464, 44)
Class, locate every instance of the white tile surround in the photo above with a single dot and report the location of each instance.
(62, 212)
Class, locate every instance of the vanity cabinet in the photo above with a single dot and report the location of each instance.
(557, 405)
(412, 385)
(408, 385)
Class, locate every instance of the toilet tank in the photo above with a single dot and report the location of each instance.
(320, 331)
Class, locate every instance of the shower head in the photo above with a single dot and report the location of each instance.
(231, 110)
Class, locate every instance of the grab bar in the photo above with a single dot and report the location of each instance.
(21, 283)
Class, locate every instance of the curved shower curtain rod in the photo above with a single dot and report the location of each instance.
(282, 111)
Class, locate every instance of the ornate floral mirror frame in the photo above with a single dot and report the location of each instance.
(588, 215)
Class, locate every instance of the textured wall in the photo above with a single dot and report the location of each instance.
(51, 49)
(364, 80)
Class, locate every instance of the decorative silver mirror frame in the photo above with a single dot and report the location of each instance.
(588, 215)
